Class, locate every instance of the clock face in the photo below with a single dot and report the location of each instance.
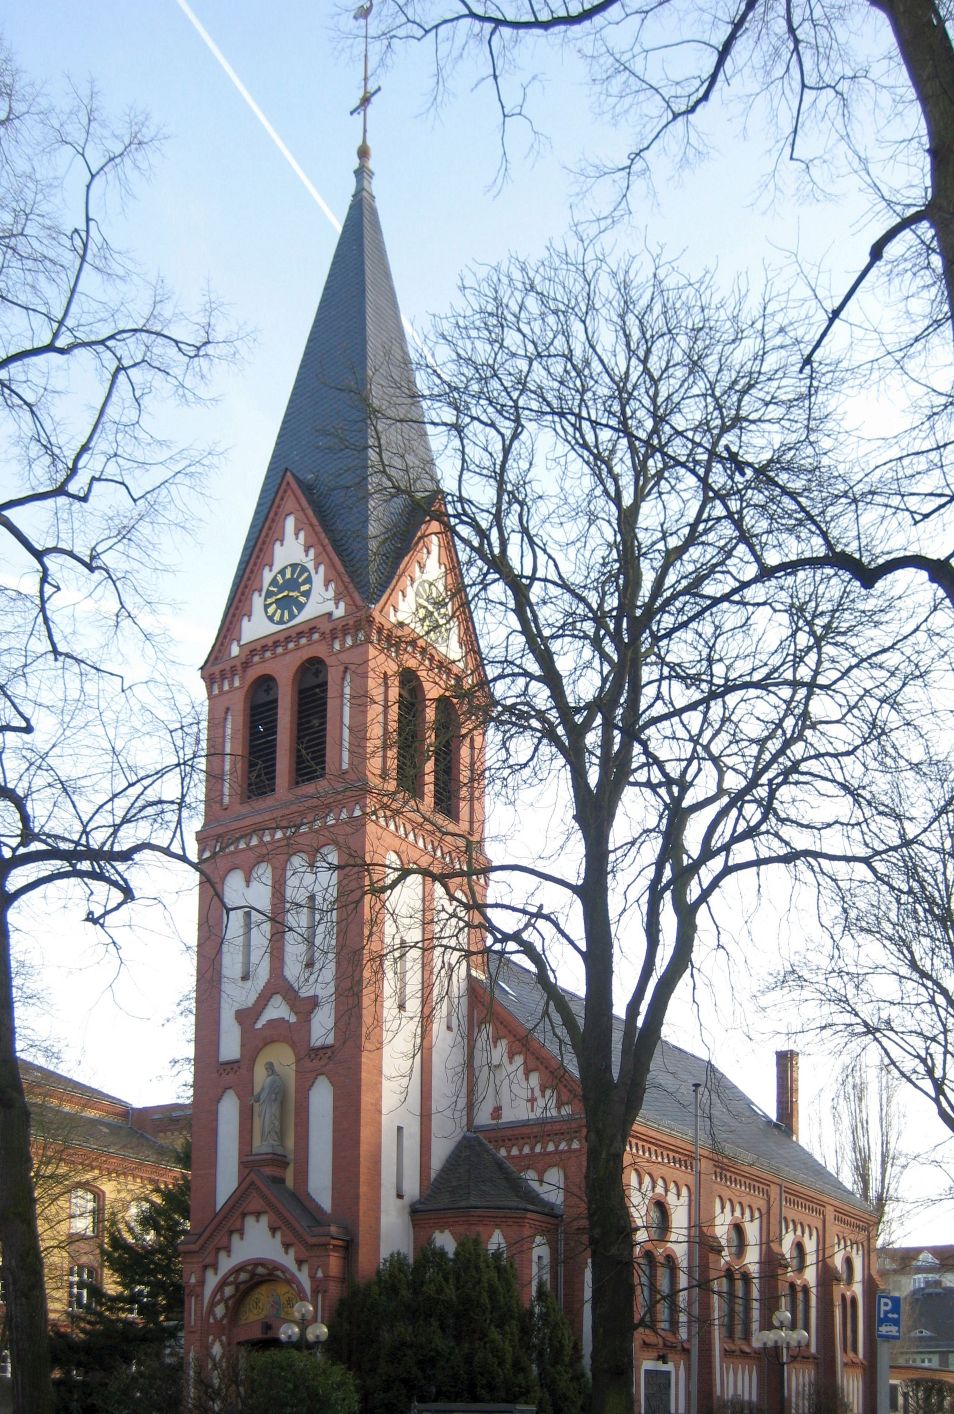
(287, 593)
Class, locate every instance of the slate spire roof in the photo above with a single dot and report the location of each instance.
(352, 434)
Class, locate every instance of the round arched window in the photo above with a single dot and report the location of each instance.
(849, 1277)
(657, 1221)
(737, 1241)
(798, 1257)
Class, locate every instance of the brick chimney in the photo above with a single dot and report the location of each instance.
(786, 1091)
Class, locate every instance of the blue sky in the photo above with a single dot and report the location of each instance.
(224, 207)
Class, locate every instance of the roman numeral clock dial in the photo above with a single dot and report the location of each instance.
(287, 593)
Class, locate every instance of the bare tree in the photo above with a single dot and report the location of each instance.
(838, 91)
(670, 718)
(869, 1140)
(885, 982)
(95, 765)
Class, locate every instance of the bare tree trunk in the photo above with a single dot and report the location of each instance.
(925, 47)
(611, 1252)
(23, 1264)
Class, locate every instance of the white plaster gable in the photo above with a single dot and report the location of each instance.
(504, 1090)
(425, 603)
(275, 1009)
(256, 1242)
(291, 550)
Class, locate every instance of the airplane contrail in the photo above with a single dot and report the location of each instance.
(289, 157)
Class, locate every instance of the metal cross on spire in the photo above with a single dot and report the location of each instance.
(363, 12)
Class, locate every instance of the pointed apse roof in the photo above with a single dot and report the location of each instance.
(353, 433)
(474, 1177)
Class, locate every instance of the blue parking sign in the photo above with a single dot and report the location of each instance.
(889, 1317)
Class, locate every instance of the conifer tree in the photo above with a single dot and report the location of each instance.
(446, 1328)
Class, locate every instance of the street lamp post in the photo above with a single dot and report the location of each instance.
(785, 1341)
(303, 1329)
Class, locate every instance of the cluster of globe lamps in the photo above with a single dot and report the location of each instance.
(781, 1338)
(303, 1329)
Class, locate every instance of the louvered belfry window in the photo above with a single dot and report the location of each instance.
(311, 729)
(410, 734)
(446, 759)
(262, 737)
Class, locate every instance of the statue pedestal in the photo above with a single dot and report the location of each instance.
(270, 1160)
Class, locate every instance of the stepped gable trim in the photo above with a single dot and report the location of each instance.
(475, 1178)
(290, 498)
(471, 666)
(305, 1222)
(492, 1008)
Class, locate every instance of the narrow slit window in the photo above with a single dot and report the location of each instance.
(669, 1294)
(399, 1162)
(311, 731)
(246, 964)
(311, 924)
(226, 755)
(346, 721)
(400, 975)
(262, 737)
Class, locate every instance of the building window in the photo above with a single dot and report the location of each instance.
(400, 975)
(648, 1291)
(450, 1001)
(737, 1316)
(410, 734)
(657, 1221)
(84, 1212)
(262, 737)
(81, 1288)
(849, 1272)
(669, 1294)
(798, 1257)
(446, 759)
(399, 1163)
(311, 929)
(737, 1241)
(245, 963)
(311, 722)
(728, 1293)
(799, 1305)
(226, 755)
(849, 1325)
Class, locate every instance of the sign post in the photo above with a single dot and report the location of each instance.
(887, 1328)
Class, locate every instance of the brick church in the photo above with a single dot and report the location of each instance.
(366, 1077)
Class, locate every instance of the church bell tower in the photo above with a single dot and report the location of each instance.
(344, 785)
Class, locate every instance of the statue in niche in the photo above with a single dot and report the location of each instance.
(269, 1098)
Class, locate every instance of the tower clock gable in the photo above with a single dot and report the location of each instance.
(293, 578)
(427, 597)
